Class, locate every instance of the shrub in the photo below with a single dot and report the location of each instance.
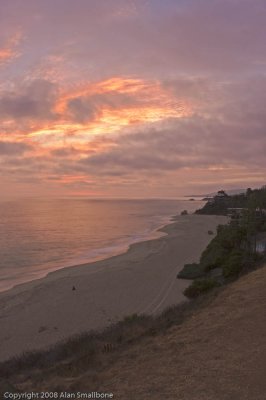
(234, 264)
(213, 256)
(228, 239)
(200, 286)
(191, 271)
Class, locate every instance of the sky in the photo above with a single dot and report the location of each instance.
(131, 98)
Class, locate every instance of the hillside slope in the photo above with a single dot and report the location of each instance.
(218, 352)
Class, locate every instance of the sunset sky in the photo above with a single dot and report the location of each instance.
(131, 98)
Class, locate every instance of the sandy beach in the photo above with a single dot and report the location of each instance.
(143, 280)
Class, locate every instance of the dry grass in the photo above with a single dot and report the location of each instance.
(64, 364)
(211, 348)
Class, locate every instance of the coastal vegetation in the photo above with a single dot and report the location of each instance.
(191, 271)
(221, 202)
(200, 286)
(233, 250)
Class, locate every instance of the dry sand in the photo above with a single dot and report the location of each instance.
(143, 280)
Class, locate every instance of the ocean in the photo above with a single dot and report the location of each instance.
(38, 236)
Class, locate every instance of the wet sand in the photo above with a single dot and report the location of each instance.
(40, 313)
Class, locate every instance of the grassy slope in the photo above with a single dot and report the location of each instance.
(214, 348)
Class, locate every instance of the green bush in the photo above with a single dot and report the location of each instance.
(200, 286)
(213, 256)
(191, 271)
(234, 264)
(228, 239)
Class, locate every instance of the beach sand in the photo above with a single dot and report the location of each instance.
(40, 313)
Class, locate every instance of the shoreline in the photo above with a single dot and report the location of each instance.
(37, 314)
(154, 234)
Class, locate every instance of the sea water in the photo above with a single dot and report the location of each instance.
(38, 236)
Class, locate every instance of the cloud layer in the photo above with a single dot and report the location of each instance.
(132, 98)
